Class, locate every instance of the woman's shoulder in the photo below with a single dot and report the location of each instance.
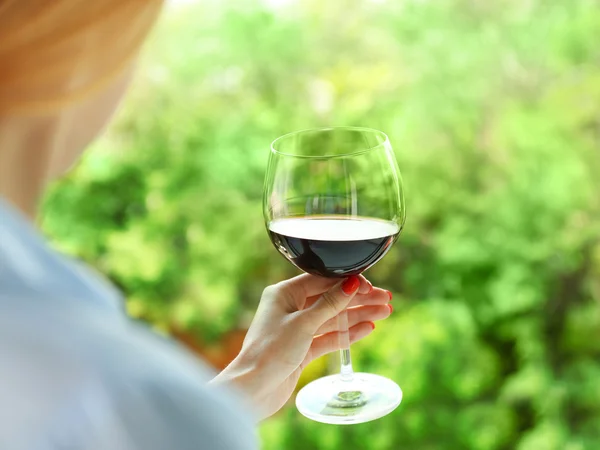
(79, 373)
(75, 369)
(31, 269)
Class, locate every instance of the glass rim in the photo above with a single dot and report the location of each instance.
(385, 142)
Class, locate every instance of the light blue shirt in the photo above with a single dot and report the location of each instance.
(77, 374)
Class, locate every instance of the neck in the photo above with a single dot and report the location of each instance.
(26, 149)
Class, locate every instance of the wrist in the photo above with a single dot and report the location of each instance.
(244, 374)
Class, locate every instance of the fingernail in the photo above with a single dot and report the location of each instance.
(350, 285)
(372, 325)
(391, 308)
(389, 295)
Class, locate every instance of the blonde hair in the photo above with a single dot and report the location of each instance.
(56, 52)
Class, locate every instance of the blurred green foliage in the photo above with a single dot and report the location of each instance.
(493, 111)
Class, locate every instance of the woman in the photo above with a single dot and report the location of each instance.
(74, 372)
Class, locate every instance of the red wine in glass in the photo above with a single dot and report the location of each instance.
(334, 247)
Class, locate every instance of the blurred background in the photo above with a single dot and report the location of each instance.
(493, 109)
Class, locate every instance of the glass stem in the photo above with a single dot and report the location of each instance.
(346, 372)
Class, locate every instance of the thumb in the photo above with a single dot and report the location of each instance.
(332, 302)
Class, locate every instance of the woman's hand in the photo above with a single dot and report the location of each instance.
(296, 322)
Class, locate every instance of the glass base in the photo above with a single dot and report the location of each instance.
(330, 400)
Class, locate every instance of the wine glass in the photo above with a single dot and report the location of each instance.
(333, 206)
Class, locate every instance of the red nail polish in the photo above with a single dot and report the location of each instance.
(391, 308)
(350, 285)
(389, 295)
(372, 325)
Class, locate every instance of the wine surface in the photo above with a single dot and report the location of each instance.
(333, 247)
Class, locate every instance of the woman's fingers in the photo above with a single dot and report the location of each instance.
(329, 342)
(330, 304)
(311, 286)
(357, 315)
(375, 297)
(365, 285)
